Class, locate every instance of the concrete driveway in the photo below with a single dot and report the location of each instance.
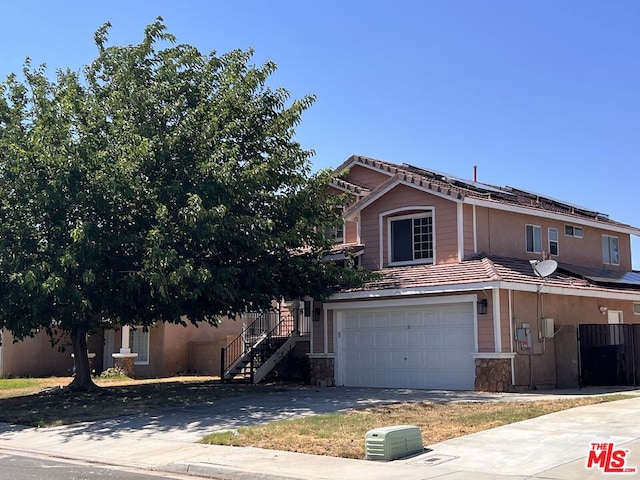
(164, 440)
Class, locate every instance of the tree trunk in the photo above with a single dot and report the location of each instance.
(82, 380)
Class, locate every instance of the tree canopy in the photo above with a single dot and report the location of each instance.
(159, 184)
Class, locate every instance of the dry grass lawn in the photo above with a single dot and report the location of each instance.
(342, 434)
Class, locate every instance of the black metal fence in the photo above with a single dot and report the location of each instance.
(609, 354)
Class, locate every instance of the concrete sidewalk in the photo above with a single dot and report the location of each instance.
(550, 447)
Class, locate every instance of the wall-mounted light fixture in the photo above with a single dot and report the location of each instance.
(316, 314)
(603, 309)
(482, 306)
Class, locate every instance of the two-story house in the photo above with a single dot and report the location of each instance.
(480, 287)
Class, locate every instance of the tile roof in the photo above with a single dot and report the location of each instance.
(350, 186)
(481, 268)
(459, 189)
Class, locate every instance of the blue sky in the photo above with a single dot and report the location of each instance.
(541, 95)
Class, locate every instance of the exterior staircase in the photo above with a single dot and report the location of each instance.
(261, 345)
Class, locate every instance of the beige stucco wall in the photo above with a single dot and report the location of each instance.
(169, 346)
(503, 233)
(34, 356)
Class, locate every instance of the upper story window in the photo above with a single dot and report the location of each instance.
(533, 235)
(336, 233)
(610, 251)
(411, 239)
(553, 241)
(573, 231)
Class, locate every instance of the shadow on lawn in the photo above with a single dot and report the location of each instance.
(187, 412)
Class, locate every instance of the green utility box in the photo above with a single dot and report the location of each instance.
(391, 443)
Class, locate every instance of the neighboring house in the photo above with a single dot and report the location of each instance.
(164, 350)
(458, 304)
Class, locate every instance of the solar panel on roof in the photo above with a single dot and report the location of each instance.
(601, 275)
(452, 178)
(570, 205)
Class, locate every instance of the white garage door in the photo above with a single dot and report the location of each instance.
(408, 347)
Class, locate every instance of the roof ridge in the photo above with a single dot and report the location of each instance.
(491, 269)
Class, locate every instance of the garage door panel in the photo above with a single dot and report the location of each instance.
(417, 347)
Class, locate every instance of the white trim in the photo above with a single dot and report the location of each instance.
(510, 355)
(533, 239)
(609, 249)
(324, 315)
(338, 347)
(359, 228)
(569, 291)
(551, 215)
(557, 240)
(376, 194)
(388, 215)
(474, 310)
(497, 331)
(460, 220)
(147, 336)
(325, 334)
(352, 161)
(465, 287)
(513, 373)
(401, 302)
(475, 231)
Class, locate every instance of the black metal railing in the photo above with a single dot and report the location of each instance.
(261, 338)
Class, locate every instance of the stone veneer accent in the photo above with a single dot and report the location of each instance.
(126, 364)
(493, 375)
(322, 371)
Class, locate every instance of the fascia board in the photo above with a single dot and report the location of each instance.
(399, 302)
(352, 161)
(337, 299)
(402, 292)
(376, 194)
(573, 292)
(551, 215)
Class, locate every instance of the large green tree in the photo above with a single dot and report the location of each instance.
(159, 184)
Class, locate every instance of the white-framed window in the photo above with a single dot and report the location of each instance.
(573, 231)
(610, 251)
(533, 234)
(411, 239)
(553, 241)
(336, 233)
(139, 343)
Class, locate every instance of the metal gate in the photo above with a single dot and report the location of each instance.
(609, 354)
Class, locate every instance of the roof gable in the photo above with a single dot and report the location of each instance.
(477, 193)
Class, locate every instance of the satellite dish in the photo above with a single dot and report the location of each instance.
(545, 268)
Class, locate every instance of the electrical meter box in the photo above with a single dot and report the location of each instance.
(391, 443)
(548, 328)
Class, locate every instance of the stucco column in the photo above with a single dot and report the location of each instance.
(124, 346)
